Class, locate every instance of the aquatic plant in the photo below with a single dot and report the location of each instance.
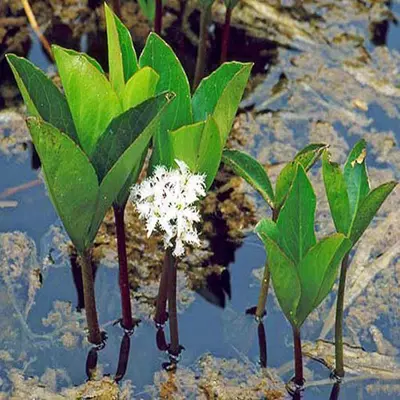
(230, 5)
(254, 173)
(89, 142)
(353, 205)
(195, 129)
(303, 270)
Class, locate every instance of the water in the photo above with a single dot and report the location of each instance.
(205, 328)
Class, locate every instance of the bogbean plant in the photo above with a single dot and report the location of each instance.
(93, 142)
(353, 205)
(303, 270)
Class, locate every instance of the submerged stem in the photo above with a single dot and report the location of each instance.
(202, 48)
(127, 321)
(339, 370)
(90, 300)
(161, 305)
(158, 17)
(174, 348)
(298, 358)
(225, 35)
(262, 299)
(262, 343)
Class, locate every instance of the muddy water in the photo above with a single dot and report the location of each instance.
(331, 76)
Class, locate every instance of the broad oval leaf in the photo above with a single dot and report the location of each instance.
(115, 65)
(185, 143)
(284, 275)
(210, 151)
(41, 96)
(307, 158)
(219, 95)
(199, 146)
(368, 208)
(125, 130)
(355, 175)
(336, 192)
(71, 179)
(251, 171)
(92, 101)
(158, 55)
(92, 60)
(140, 87)
(121, 149)
(296, 218)
(318, 272)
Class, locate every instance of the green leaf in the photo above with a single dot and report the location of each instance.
(219, 95)
(307, 158)
(318, 272)
(210, 151)
(267, 227)
(92, 100)
(115, 65)
(231, 4)
(71, 180)
(283, 272)
(140, 87)
(148, 8)
(368, 209)
(92, 60)
(199, 146)
(138, 122)
(336, 192)
(296, 218)
(124, 167)
(185, 143)
(158, 55)
(251, 171)
(129, 58)
(355, 175)
(41, 96)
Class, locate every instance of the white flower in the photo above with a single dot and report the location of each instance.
(166, 201)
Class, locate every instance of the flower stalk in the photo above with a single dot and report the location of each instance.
(95, 336)
(161, 315)
(127, 320)
(339, 369)
(174, 348)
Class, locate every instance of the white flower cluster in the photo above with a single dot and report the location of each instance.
(166, 202)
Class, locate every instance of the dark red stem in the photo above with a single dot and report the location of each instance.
(158, 17)
(174, 348)
(225, 35)
(127, 321)
(161, 315)
(298, 358)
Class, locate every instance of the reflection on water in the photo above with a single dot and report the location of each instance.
(331, 75)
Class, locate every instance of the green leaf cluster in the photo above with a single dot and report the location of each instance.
(93, 140)
(303, 270)
(254, 173)
(352, 203)
(231, 4)
(194, 129)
